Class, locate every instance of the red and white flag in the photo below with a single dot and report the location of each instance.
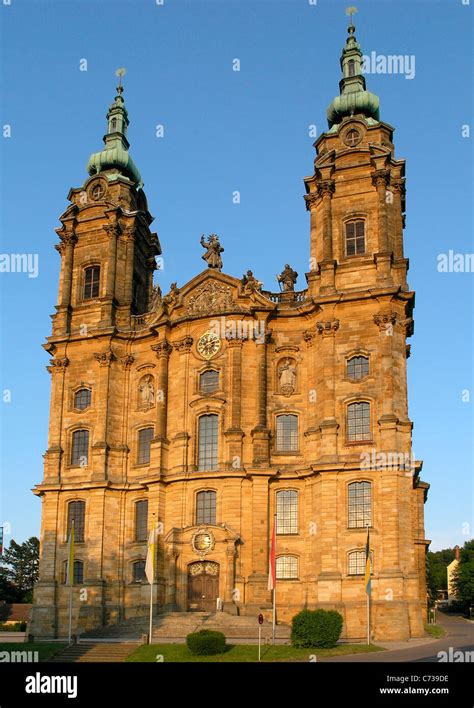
(272, 562)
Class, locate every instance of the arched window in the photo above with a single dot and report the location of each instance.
(91, 282)
(206, 507)
(113, 124)
(138, 571)
(355, 237)
(287, 568)
(209, 381)
(82, 399)
(145, 436)
(357, 367)
(141, 520)
(207, 442)
(351, 67)
(76, 511)
(356, 562)
(358, 421)
(287, 511)
(80, 448)
(287, 433)
(78, 572)
(359, 505)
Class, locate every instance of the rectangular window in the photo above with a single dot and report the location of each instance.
(358, 422)
(287, 568)
(355, 238)
(145, 436)
(76, 511)
(206, 508)
(207, 443)
(141, 520)
(287, 512)
(360, 505)
(80, 448)
(91, 282)
(287, 433)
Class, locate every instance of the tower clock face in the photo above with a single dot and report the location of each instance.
(208, 345)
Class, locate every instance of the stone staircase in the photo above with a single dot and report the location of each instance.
(94, 652)
(172, 628)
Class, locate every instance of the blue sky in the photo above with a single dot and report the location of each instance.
(227, 131)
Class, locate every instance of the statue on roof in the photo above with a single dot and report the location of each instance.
(287, 278)
(250, 283)
(213, 252)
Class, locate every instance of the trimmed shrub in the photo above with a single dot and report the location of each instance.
(316, 628)
(17, 627)
(206, 642)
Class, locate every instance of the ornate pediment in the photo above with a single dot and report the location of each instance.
(209, 298)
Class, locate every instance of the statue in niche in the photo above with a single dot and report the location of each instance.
(287, 278)
(146, 391)
(213, 252)
(287, 377)
(250, 283)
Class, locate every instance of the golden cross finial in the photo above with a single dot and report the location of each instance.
(120, 72)
(351, 11)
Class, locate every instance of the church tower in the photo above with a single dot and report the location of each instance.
(214, 409)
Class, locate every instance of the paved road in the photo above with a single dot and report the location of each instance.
(460, 636)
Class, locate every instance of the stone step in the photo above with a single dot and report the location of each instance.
(80, 653)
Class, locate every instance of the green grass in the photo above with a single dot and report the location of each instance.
(435, 630)
(243, 652)
(45, 649)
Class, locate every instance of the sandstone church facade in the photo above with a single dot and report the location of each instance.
(219, 405)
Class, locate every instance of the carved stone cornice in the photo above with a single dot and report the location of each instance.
(328, 329)
(309, 338)
(127, 360)
(310, 200)
(129, 233)
(112, 229)
(151, 263)
(398, 185)
(385, 320)
(59, 365)
(105, 358)
(67, 239)
(162, 349)
(236, 340)
(326, 187)
(381, 178)
(183, 345)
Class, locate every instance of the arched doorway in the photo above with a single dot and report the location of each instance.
(203, 586)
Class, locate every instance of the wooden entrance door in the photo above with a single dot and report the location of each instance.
(203, 586)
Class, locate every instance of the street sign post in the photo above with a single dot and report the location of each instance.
(260, 622)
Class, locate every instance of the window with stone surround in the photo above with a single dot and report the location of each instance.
(359, 496)
(287, 512)
(82, 399)
(355, 237)
(357, 367)
(358, 422)
(209, 381)
(141, 520)
(286, 433)
(138, 571)
(287, 568)
(207, 442)
(91, 282)
(206, 507)
(78, 572)
(356, 562)
(76, 511)
(145, 436)
(80, 448)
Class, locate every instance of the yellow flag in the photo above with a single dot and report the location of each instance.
(150, 557)
(70, 559)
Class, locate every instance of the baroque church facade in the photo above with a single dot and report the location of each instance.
(221, 406)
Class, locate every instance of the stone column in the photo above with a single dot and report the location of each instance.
(260, 433)
(329, 425)
(55, 451)
(129, 235)
(160, 441)
(398, 189)
(260, 538)
(99, 448)
(380, 180)
(66, 249)
(234, 435)
(151, 267)
(386, 321)
(230, 585)
(107, 309)
(170, 590)
(326, 189)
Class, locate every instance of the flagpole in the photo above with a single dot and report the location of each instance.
(368, 618)
(151, 550)
(274, 588)
(70, 612)
(151, 613)
(70, 572)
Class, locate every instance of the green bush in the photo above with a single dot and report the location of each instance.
(316, 628)
(17, 627)
(206, 642)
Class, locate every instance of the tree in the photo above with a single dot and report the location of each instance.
(19, 569)
(463, 576)
(436, 574)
